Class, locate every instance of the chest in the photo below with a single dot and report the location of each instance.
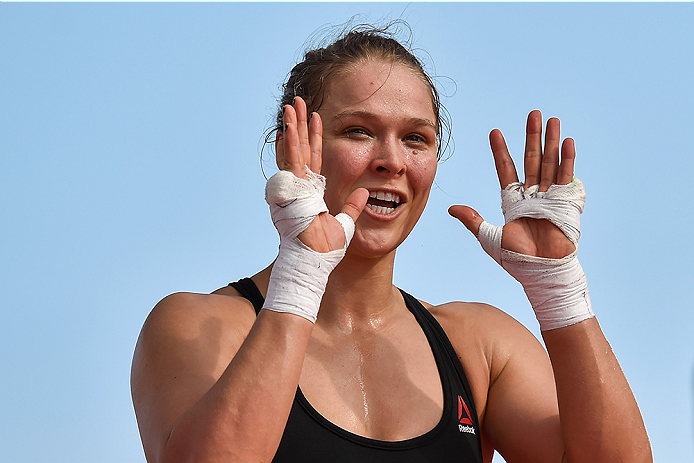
(383, 386)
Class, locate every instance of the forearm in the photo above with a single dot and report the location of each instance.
(600, 419)
(242, 417)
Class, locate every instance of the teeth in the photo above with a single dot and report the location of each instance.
(381, 209)
(385, 196)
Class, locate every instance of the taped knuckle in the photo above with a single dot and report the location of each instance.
(560, 204)
(294, 201)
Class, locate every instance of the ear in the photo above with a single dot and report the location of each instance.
(279, 148)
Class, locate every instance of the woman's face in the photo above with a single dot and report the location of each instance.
(379, 133)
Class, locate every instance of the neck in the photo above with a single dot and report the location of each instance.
(360, 293)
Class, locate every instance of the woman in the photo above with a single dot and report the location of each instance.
(350, 368)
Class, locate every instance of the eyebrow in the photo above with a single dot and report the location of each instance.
(365, 114)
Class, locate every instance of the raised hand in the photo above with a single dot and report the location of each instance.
(533, 237)
(298, 147)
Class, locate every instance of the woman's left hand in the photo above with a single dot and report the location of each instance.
(533, 237)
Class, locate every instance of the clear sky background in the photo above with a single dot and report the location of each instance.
(130, 139)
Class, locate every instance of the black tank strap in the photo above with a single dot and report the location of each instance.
(432, 327)
(250, 291)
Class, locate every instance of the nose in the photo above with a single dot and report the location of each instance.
(390, 160)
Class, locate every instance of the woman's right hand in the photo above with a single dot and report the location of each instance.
(298, 146)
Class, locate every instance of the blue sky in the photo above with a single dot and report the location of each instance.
(130, 138)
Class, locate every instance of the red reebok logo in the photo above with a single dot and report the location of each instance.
(463, 412)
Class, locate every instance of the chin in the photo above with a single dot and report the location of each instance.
(373, 245)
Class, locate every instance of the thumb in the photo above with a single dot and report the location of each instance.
(356, 203)
(468, 216)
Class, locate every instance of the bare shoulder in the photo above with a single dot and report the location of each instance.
(184, 319)
(184, 346)
(479, 328)
(488, 322)
(485, 339)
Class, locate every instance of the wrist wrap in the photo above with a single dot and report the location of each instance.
(300, 274)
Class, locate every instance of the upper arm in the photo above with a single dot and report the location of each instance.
(522, 415)
(184, 347)
(511, 379)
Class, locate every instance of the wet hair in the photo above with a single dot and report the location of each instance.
(358, 44)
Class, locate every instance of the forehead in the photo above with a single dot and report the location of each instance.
(380, 87)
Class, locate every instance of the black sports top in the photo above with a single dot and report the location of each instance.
(311, 438)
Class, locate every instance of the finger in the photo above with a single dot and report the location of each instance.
(533, 149)
(302, 130)
(505, 168)
(356, 202)
(289, 158)
(468, 216)
(568, 157)
(315, 136)
(550, 158)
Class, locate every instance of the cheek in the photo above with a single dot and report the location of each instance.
(422, 170)
(341, 168)
(343, 165)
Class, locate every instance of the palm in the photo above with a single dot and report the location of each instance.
(324, 234)
(535, 237)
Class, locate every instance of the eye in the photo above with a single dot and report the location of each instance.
(355, 132)
(415, 138)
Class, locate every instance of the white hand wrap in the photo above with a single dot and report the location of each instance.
(557, 288)
(299, 275)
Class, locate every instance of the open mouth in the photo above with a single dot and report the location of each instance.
(383, 202)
